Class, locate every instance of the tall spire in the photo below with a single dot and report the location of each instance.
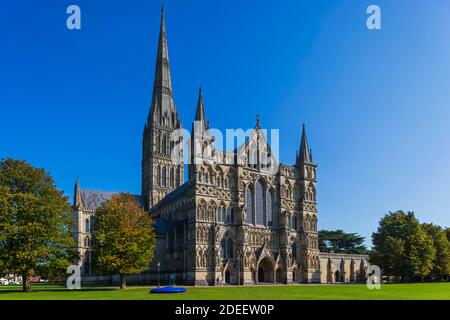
(304, 154)
(77, 195)
(162, 101)
(200, 115)
(162, 123)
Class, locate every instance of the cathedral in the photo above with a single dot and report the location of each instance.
(238, 218)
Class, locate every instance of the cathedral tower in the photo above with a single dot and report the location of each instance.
(160, 174)
(307, 181)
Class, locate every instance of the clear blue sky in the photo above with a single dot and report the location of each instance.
(376, 103)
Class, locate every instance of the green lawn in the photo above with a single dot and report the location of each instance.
(296, 292)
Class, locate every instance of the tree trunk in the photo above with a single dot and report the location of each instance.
(26, 283)
(123, 284)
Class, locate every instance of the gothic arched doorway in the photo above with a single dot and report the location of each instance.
(265, 270)
(260, 275)
(279, 275)
(227, 277)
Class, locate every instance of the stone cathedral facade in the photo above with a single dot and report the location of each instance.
(234, 219)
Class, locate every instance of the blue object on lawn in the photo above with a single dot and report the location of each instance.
(168, 289)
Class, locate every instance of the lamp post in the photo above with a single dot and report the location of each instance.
(159, 264)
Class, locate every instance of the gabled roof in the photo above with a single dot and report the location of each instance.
(92, 199)
(258, 136)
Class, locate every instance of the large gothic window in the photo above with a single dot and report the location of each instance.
(229, 219)
(167, 151)
(164, 176)
(259, 201)
(163, 147)
(87, 225)
(158, 176)
(249, 205)
(158, 144)
(226, 248)
(222, 214)
(269, 208)
(171, 177)
(294, 251)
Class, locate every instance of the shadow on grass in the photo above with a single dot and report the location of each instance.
(54, 289)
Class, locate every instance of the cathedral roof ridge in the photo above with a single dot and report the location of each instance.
(100, 191)
(92, 199)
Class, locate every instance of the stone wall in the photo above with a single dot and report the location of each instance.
(342, 268)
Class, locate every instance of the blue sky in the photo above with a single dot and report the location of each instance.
(376, 103)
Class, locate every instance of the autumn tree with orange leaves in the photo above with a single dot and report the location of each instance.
(123, 237)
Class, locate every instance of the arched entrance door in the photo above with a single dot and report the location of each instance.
(265, 270)
(260, 274)
(279, 274)
(227, 277)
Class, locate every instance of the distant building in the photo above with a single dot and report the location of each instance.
(232, 220)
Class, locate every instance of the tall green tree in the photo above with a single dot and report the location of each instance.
(447, 231)
(402, 248)
(340, 242)
(441, 263)
(35, 223)
(124, 239)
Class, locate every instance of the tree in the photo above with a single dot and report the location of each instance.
(340, 242)
(123, 238)
(441, 263)
(401, 247)
(35, 223)
(447, 231)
